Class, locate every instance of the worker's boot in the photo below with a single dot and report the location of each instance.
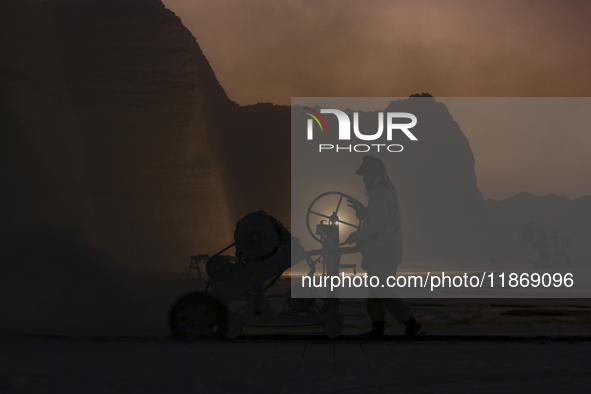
(377, 330)
(412, 327)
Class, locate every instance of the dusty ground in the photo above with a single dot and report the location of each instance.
(471, 346)
(283, 365)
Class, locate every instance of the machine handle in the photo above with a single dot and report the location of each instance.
(343, 250)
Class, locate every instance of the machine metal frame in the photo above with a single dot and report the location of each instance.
(264, 250)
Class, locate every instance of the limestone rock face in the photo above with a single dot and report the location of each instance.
(556, 215)
(443, 211)
(109, 128)
(116, 124)
(257, 161)
(43, 173)
(143, 89)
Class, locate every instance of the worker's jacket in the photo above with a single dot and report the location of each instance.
(380, 236)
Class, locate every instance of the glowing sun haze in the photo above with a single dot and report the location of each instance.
(270, 51)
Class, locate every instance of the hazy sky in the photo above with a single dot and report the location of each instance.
(270, 51)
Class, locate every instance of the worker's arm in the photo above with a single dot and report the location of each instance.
(376, 217)
(360, 210)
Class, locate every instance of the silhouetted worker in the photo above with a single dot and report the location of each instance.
(379, 241)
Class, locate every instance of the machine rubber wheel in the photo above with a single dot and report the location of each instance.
(233, 329)
(332, 329)
(197, 316)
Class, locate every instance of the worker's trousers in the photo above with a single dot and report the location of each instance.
(382, 262)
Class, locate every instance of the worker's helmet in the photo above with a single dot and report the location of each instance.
(371, 166)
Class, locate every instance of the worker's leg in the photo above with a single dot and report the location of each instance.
(381, 299)
(386, 299)
(388, 258)
(375, 310)
(398, 308)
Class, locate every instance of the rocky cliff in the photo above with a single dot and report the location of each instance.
(559, 217)
(109, 128)
(116, 124)
(154, 162)
(443, 214)
(43, 172)
(443, 210)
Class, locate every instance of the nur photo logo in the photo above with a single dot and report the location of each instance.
(391, 121)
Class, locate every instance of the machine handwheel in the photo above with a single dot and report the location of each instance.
(197, 316)
(311, 211)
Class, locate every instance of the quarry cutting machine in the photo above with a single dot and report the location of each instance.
(264, 250)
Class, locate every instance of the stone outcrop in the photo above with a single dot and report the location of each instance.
(115, 124)
(256, 159)
(108, 128)
(556, 215)
(119, 150)
(443, 210)
(443, 215)
(43, 172)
